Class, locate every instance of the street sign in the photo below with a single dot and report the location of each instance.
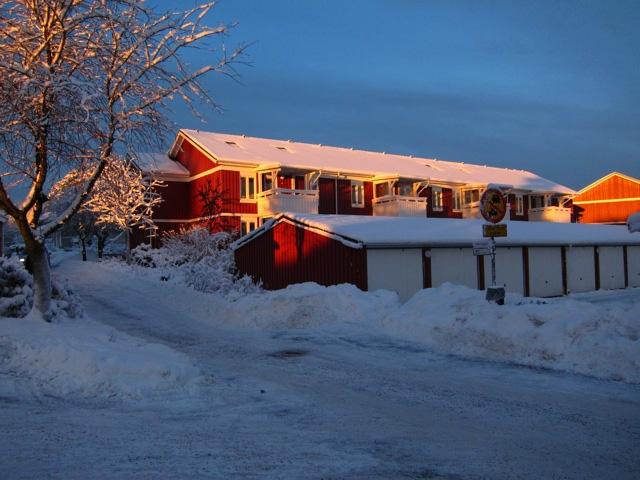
(482, 248)
(490, 231)
(493, 205)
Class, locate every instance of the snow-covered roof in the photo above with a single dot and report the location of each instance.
(376, 232)
(283, 153)
(160, 163)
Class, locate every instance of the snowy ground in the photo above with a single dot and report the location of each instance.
(286, 395)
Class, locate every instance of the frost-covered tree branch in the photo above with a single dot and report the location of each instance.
(81, 83)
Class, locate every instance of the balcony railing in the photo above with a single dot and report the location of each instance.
(550, 214)
(279, 200)
(400, 206)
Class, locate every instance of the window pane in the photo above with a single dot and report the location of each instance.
(251, 187)
(243, 228)
(267, 182)
(243, 187)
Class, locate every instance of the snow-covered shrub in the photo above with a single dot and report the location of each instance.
(201, 260)
(16, 288)
(64, 302)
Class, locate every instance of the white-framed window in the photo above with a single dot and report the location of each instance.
(247, 226)
(457, 200)
(266, 181)
(357, 194)
(436, 199)
(247, 187)
(381, 189)
(519, 205)
(537, 201)
(471, 196)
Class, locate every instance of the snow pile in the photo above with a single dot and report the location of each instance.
(198, 259)
(309, 305)
(634, 222)
(88, 359)
(563, 334)
(16, 292)
(16, 288)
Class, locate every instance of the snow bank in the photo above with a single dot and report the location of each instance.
(634, 222)
(562, 334)
(86, 359)
(310, 305)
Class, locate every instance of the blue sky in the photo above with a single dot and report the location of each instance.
(552, 87)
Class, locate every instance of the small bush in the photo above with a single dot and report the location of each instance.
(16, 288)
(200, 259)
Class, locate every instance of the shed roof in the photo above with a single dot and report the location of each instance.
(160, 163)
(286, 153)
(383, 232)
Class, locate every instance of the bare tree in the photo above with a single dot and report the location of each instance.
(82, 81)
(124, 198)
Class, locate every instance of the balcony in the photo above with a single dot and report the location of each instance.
(399, 206)
(550, 214)
(279, 200)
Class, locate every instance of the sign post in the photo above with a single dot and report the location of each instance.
(493, 208)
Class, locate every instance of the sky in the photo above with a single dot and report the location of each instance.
(551, 87)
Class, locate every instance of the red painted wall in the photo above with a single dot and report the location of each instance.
(610, 212)
(175, 203)
(193, 159)
(288, 254)
(327, 199)
(512, 202)
(447, 204)
(226, 182)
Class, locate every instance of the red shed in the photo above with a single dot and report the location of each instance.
(611, 199)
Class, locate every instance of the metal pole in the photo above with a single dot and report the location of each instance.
(493, 262)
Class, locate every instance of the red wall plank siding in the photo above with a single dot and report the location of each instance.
(327, 196)
(299, 183)
(614, 187)
(611, 212)
(285, 181)
(288, 254)
(193, 159)
(175, 203)
(511, 198)
(227, 182)
(447, 204)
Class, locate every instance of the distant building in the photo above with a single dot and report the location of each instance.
(259, 178)
(611, 199)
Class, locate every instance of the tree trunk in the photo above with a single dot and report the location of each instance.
(39, 259)
(128, 234)
(84, 250)
(102, 240)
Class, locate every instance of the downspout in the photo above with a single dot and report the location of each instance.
(335, 180)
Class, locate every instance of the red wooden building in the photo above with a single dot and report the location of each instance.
(259, 178)
(610, 199)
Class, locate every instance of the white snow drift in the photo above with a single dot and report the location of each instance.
(563, 334)
(79, 357)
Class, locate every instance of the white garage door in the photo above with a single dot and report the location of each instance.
(581, 269)
(509, 269)
(545, 271)
(397, 269)
(633, 264)
(454, 265)
(611, 267)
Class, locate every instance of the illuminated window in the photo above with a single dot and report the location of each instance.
(247, 188)
(436, 199)
(357, 194)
